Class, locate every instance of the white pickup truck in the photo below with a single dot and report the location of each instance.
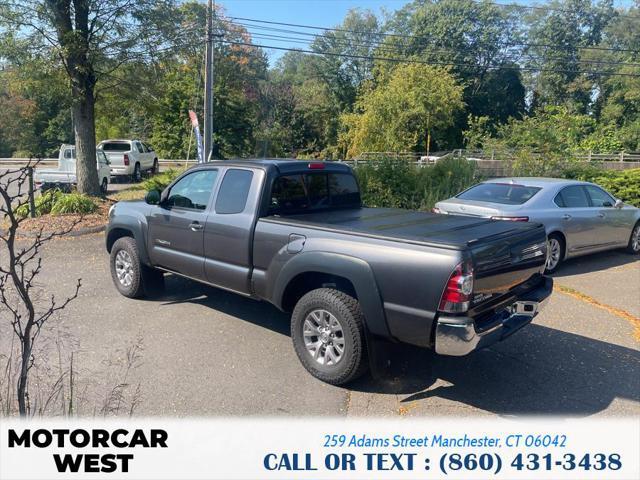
(130, 157)
(65, 175)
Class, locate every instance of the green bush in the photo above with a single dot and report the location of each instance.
(56, 202)
(159, 181)
(73, 203)
(400, 184)
(43, 203)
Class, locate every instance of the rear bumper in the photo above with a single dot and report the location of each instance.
(459, 336)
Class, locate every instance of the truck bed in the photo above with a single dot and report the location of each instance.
(452, 231)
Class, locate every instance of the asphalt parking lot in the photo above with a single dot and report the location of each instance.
(207, 352)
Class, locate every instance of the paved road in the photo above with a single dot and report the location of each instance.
(208, 352)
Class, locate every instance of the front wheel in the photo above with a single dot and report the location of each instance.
(634, 240)
(327, 330)
(156, 167)
(104, 186)
(129, 275)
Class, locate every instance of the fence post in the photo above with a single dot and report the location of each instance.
(32, 203)
(589, 157)
(622, 156)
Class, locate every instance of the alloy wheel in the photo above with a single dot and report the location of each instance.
(554, 253)
(635, 239)
(323, 337)
(124, 268)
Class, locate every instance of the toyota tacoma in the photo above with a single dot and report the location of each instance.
(296, 234)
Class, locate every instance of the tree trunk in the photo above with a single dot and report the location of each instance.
(24, 374)
(85, 137)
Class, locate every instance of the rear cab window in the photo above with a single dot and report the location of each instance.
(306, 192)
(116, 146)
(503, 193)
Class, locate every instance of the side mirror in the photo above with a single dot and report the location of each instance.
(152, 197)
(619, 203)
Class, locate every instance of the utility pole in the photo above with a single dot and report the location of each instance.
(208, 86)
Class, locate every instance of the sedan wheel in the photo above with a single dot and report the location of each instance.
(634, 240)
(554, 254)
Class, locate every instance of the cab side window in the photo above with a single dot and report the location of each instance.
(193, 191)
(234, 191)
(574, 196)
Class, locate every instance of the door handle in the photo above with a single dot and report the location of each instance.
(196, 226)
(566, 216)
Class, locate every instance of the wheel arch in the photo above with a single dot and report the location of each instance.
(311, 270)
(563, 238)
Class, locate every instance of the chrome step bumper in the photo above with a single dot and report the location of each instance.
(459, 336)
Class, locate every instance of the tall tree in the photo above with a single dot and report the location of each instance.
(417, 102)
(91, 39)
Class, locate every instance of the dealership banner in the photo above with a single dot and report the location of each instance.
(196, 130)
(257, 448)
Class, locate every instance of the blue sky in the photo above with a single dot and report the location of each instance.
(325, 13)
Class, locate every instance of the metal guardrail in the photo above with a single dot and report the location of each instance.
(49, 161)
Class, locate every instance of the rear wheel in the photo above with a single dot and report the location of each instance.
(555, 252)
(634, 240)
(137, 173)
(327, 330)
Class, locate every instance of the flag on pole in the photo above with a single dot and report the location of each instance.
(196, 130)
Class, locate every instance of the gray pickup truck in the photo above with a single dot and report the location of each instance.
(295, 234)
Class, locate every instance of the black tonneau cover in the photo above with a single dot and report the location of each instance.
(413, 226)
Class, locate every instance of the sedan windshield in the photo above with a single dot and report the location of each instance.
(504, 193)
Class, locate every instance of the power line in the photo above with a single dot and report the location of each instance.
(546, 8)
(405, 36)
(416, 61)
(384, 49)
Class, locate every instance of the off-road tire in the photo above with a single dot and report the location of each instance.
(630, 249)
(346, 309)
(137, 173)
(135, 289)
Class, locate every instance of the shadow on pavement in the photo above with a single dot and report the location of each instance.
(180, 290)
(537, 371)
(594, 263)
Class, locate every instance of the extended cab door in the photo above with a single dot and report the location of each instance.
(228, 235)
(176, 226)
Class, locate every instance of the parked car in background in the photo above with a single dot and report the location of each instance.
(579, 217)
(296, 235)
(130, 157)
(65, 177)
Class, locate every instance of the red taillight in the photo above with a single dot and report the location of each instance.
(126, 159)
(316, 166)
(457, 293)
(511, 219)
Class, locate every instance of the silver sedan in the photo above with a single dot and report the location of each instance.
(579, 217)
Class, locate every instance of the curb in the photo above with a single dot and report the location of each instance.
(73, 233)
